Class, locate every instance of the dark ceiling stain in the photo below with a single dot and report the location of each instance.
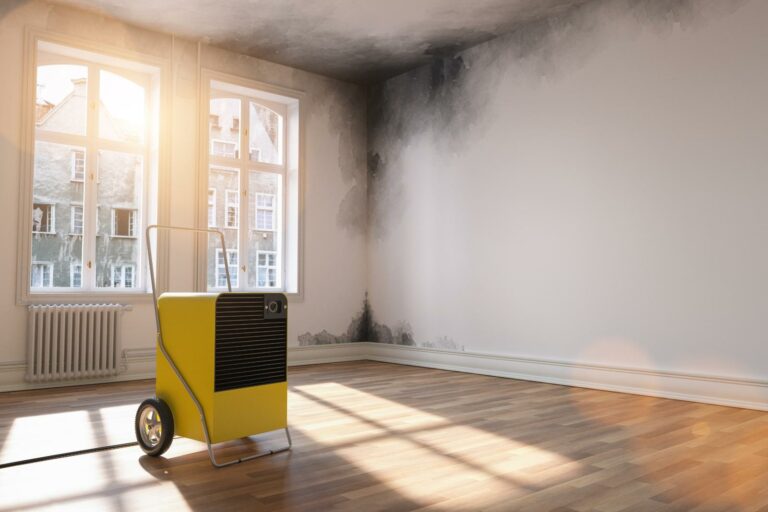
(6, 6)
(362, 42)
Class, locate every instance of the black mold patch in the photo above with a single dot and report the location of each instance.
(443, 342)
(347, 119)
(362, 328)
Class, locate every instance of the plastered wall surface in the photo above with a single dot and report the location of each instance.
(334, 243)
(591, 188)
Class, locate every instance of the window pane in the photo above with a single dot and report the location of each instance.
(265, 142)
(122, 108)
(61, 103)
(118, 197)
(56, 206)
(224, 127)
(224, 183)
(264, 242)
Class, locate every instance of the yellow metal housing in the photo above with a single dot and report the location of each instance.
(189, 332)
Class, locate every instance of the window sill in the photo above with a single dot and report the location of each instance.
(86, 298)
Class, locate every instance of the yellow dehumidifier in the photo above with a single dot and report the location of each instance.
(221, 367)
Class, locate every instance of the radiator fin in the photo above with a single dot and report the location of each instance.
(73, 341)
(250, 349)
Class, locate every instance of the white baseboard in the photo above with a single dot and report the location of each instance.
(333, 353)
(138, 364)
(711, 389)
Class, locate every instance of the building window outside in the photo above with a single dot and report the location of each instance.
(42, 275)
(265, 212)
(224, 148)
(43, 218)
(78, 165)
(124, 222)
(211, 207)
(93, 118)
(76, 275)
(122, 276)
(76, 214)
(221, 270)
(232, 198)
(267, 269)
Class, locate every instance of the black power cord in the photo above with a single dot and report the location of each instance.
(66, 454)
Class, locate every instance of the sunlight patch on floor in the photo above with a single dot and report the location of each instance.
(421, 454)
(46, 434)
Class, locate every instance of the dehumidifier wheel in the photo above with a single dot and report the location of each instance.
(154, 426)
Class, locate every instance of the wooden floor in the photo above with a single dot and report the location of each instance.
(373, 436)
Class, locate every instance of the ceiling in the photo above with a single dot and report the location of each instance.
(356, 40)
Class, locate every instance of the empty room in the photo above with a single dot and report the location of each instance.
(443, 255)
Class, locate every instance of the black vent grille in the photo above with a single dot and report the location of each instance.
(250, 349)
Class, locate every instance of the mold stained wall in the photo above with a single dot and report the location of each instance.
(334, 243)
(591, 188)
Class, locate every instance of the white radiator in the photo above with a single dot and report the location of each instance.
(73, 341)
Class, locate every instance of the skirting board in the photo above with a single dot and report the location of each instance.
(138, 364)
(711, 389)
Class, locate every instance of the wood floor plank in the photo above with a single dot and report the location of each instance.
(373, 436)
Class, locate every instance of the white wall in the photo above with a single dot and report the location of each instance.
(590, 189)
(334, 250)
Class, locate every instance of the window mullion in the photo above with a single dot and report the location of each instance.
(245, 225)
(242, 254)
(90, 210)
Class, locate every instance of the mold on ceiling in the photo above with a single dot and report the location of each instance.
(358, 41)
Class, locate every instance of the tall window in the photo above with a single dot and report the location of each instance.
(95, 120)
(253, 163)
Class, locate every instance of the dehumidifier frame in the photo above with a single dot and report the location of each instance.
(169, 359)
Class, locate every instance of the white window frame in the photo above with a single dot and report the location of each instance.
(272, 213)
(75, 176)
(97, 56)
(220, 270)
(49, 266)
(72, 267)
(212, 207)
(289, 226)
(51, 224)
(131, 223)
(72, 224)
